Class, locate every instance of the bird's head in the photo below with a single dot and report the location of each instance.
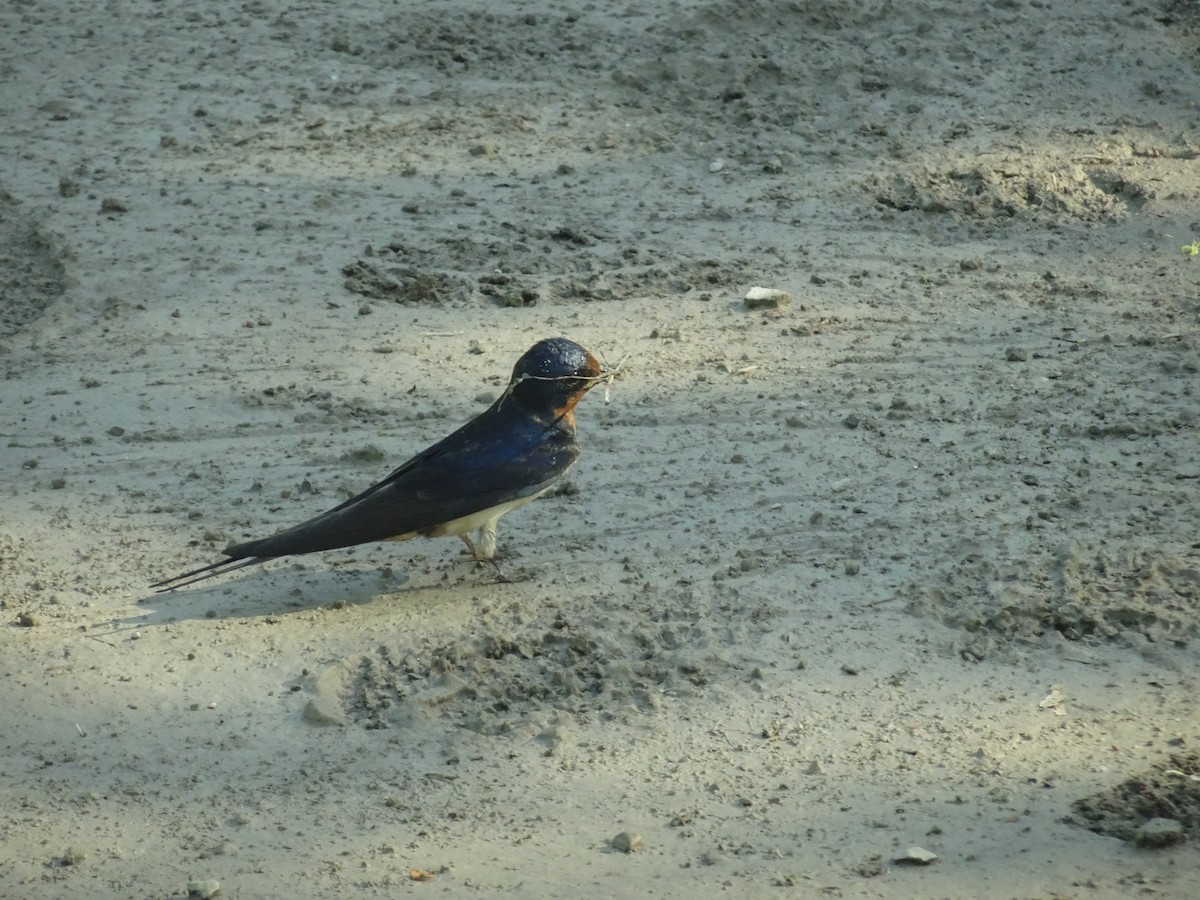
(552, 376)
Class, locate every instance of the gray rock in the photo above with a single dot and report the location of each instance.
(321, 711)
(204, 890)
(1159, 832)
(916, 856)
(766, 298)
(626, 842)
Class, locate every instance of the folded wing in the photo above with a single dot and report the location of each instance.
(461, 475)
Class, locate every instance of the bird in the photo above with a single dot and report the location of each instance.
(508, 455)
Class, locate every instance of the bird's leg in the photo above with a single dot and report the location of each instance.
(470, 546)
(487, 539)
(487, 546)
(481, 559)
(500, 576)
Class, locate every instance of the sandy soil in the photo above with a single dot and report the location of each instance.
(911, 562)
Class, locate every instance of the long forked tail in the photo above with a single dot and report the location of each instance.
(205, 572)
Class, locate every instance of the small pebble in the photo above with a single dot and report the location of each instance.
(766, 298)
(1159, 832)
(319, 711)
(626, 842)
(203, 890)
(916, 856)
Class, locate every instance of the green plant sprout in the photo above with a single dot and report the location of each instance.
(1192, 249)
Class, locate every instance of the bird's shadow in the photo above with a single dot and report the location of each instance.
(264, 593)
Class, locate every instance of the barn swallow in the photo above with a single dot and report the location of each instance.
(506, 456)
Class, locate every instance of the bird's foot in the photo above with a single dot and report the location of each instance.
(480, 560)
(501, 577)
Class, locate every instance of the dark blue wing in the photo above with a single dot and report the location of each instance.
(500, 456)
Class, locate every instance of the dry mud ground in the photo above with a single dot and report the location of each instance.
(911, 562)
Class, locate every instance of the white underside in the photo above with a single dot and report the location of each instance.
(482, 522)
